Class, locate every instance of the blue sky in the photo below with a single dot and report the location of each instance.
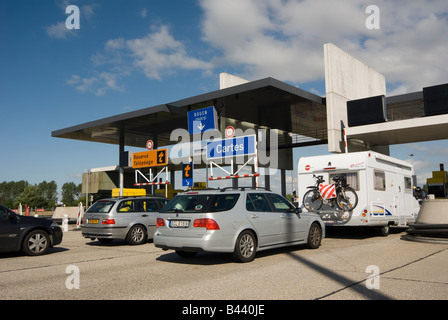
(129, 55)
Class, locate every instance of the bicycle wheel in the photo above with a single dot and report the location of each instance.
(347, 199)
(312, 200)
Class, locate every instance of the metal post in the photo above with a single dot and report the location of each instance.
(121, 162)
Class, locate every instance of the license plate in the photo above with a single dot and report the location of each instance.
(92, 220)
(179, 223)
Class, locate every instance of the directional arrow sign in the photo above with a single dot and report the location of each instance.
(237, 146)
(202, 120)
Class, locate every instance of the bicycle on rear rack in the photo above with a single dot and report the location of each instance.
(339, 193)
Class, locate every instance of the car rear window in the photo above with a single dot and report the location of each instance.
(201, 203)
(102, 206)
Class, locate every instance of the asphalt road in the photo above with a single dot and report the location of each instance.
(340, 269)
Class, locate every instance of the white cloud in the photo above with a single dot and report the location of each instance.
(98, 84)
(284, 39)
(58, 31)
(143, 13)
(159, 53)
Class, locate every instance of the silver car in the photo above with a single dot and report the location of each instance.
(132, 219)
(242, 221)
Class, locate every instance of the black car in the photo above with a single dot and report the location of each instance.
(31, 235)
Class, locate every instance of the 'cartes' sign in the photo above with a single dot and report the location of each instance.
(151, 158)
(237, 146)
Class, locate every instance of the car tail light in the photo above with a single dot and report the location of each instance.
(108, 221)
(207, 223)
(160, 222)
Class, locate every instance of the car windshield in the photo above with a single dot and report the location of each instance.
(201, 203)
(101, 206)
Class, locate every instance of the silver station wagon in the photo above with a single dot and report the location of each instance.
(132, 219)
(241, 221)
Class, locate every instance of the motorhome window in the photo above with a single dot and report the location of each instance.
(407, 183)
(352, 179)
(379, 180)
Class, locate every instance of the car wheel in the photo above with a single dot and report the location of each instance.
(314, 236)
(136, 235)
(36, 243)
(384, 230)
(245, 247)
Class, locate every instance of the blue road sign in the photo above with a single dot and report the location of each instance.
(237, 146)
(187, 174)
(202, 120)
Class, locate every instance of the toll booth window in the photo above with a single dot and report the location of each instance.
(351, 178)
(379, 181)
(280, 203)
(224, 202)
(257, 202)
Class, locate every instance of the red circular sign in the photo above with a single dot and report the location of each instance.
(149, 144)
(307, 167)
(230, 131)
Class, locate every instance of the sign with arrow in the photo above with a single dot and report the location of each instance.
(202, 120)
(187, 174)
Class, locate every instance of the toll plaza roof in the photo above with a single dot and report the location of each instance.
(266, 103)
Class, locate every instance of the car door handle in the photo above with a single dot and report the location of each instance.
(283, 216)
(144, 215)
(254, 216)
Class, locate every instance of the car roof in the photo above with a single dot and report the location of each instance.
(226, 189)
(133, 198)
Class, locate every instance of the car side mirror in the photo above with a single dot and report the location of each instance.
(12, 217)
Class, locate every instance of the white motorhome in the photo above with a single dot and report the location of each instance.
(383, 185)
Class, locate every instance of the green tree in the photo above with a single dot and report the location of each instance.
(71, 193)
(32, 196)
(11, 191)
(49, 192)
